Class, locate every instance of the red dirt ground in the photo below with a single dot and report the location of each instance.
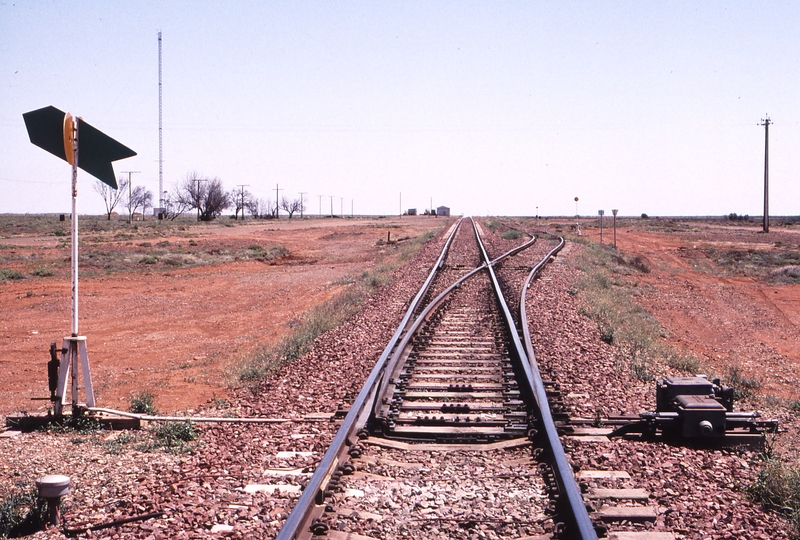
(177, 332)
(726, 319)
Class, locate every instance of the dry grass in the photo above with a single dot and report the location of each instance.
(266, 360)
(607, 297)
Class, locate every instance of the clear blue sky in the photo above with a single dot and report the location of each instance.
(489, 108)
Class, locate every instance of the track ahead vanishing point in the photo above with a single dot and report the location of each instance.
(454, 385)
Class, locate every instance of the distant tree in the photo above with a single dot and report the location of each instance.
(206, 196)
(173, 205)
(260, 208)
(111, 196)
(291, 206)
(241, 200)
(140, 198)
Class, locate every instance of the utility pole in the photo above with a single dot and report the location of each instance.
(341, 206)
(199, 198)
(766, 124)
(130, 191)
(276, 200)
(301, 203)
(331, 196)
(160, 146)
(351, 208)
(242, 186)
(401, 204)
(320, 206)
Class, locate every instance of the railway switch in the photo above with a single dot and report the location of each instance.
(694, 408)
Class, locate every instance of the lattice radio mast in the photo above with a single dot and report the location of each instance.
(160, 133)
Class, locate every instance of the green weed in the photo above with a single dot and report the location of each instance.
(512, 234)
(743, 388)
(778, 488)
(606, 296)
(142, 403)
(22, 513)
(43, 272)
(7, 273)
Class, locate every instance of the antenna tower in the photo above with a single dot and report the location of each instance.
(160, 147)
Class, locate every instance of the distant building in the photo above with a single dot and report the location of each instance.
(442, 211)
(412, 212)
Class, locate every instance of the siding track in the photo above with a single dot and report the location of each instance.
(438, 442)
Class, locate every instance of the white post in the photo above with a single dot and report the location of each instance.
(75, 229)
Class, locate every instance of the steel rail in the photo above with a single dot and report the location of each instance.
(300, 515)
(395, 364)
(581, 525)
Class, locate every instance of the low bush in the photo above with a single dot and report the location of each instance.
(142, 403)
(606, 296)
(174, 436)
(43, 272)
(7, 273)
(778, 488)
(512, 234)
(22, 513)
(743, 388)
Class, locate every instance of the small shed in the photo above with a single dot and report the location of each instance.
(442, 211)
(412, 212)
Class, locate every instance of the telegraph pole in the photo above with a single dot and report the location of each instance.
(331, 196)
(276, 201)
(130, 191)
(320, 206)
(301, 203)
(341, 206)
(766, 124)
(242, 186)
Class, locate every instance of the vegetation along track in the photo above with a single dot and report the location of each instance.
(447, 438)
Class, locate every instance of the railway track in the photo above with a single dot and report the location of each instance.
(451, 435)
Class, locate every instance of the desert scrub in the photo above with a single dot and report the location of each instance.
(743, 388)
(172, 437)
(512, 234)
(266, 360)
(7, 273)
(315, 322)
(267, 253)
(142, 403)
(778, 488)
(606, 294)
(43, 272)
(780, 265)
(22, 512)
